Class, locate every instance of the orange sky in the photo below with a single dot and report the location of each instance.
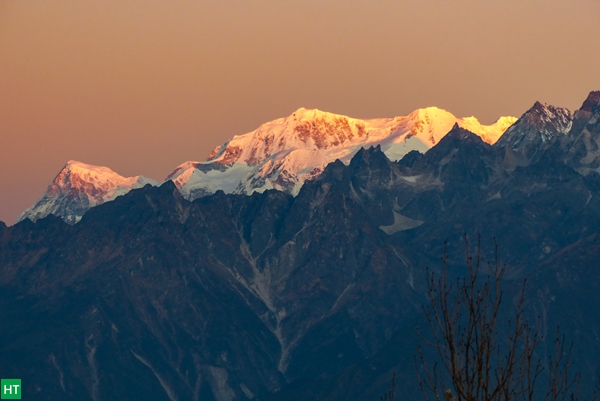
(142, 86)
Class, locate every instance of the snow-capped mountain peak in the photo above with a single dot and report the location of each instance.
(78, 175)
(307, 129)
(79, 187)
(280, 154)
(285, 152)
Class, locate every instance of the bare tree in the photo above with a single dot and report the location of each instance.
(476, 360)
(389, 396)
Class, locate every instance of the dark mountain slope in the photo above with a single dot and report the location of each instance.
(225, 295)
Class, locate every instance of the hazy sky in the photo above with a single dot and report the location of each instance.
(142, 86)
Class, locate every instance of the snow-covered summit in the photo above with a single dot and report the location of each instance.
(79, 187)
(280, 154)
(285, 152)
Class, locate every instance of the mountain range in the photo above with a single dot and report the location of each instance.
(281, 154)
(277, 295)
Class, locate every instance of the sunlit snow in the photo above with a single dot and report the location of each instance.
(284, 153)
(280, 154)
(79, 187)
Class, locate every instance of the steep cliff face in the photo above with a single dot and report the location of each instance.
(582, 146)
(536, 130)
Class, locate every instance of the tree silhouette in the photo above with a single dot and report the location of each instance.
(478, 360)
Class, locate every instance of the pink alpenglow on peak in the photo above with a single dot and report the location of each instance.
(280, 154)
(284, 153)
(79, 187)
